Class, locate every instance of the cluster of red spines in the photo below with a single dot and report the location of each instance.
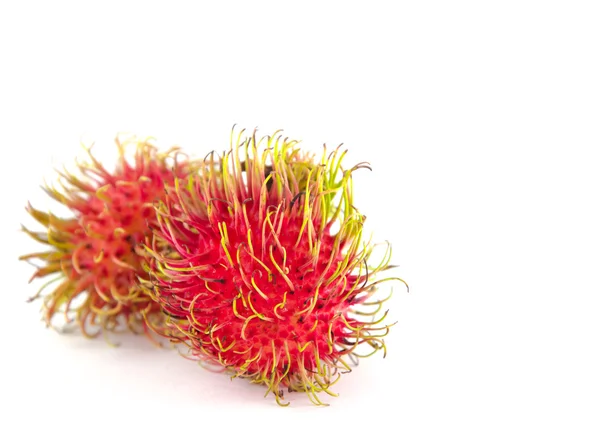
(94, 253)
(266, 273)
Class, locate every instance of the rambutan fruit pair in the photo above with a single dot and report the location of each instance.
(254, 260)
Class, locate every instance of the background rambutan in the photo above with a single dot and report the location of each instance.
(267, 274)
(93, 255)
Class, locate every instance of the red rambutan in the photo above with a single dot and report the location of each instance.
(267, 274)
(94, 253)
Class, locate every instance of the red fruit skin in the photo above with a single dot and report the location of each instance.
(94, 254)
(268, 277)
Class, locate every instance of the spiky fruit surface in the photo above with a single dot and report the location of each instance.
(93, 253)
(270, 278)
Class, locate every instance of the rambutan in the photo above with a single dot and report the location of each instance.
(94, 252)
(267, 275)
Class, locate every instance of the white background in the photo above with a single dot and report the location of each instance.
(481, 122)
